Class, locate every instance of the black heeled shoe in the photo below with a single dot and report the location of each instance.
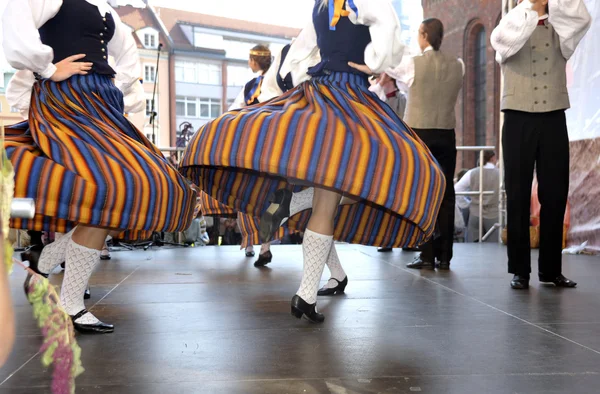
(264, 259)
(341, 286)
(98, 328)
(250, 254)
(33, 256)
(301, 307)
(88, 294)
(279, 210)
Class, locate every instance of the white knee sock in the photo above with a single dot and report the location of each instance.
(80, 264)
(264, 248)
(302, 201)
(54, 253)
(336, 269)
(316, 248)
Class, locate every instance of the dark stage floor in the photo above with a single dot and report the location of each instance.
(205, 320)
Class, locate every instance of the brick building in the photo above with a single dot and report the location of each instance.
(468, 25)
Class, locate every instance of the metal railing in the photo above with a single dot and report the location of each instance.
(480, 193)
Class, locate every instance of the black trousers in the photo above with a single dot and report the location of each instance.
(442, 144)
(536, 141)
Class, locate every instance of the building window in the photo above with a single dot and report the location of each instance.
(149, 103)
(201, 73)
(14, 110)
(151, 40)
(238, 75)
(205, 40)
(480, 70)
(201, 108)
(149, 73)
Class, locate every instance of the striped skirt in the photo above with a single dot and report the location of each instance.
(83, 162)
(330, 132)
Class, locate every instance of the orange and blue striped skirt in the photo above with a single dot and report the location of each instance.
(329, 132)
(83, 162)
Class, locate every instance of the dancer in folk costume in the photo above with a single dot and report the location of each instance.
(332, 133)
(267, 85)
(89, 170)
(533, 43)
(259, 61)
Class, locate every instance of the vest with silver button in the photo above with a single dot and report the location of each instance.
(535, 78)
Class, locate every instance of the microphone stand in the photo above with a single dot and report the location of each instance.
(157, 238)
(153, 113)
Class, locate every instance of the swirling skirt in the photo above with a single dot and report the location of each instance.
(329, 132)
(83, 162)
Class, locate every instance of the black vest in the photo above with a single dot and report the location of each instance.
(286, 83)
(78, 28)
(248, 89)
(347, 43)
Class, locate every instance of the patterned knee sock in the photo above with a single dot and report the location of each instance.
(54, 254)
(301, 201)
(316, 248)
(80, 264)
(336, 269)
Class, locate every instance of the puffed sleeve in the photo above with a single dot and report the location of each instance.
(123, 49)
(303, 54)
(514, 30)
(23, 47)
(570, 20)
(386, 48)
(239, 101)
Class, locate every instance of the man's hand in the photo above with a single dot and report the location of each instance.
(68, 67)
(539, 6)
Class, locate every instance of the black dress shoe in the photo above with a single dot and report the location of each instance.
(559, 281)
(87, 295)
(105, 257)
(420, 264)
(301, 307)
(384, 250)
(264, 259)
(98, 328)
(339, 289)
(250, 254)
(279, 210)
(520, 282)
(411, 249)
(444, 265)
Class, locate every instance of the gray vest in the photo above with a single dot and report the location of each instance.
(433, 94)
(535, 78)
(491, 181)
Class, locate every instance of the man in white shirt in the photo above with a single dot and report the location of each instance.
(491, 182)
(433, 81)
(533, 43)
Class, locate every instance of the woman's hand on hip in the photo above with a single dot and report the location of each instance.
(361, 67)
(68, 67)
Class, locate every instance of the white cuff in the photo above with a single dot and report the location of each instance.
(49, 71)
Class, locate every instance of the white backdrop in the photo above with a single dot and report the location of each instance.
(584, 82)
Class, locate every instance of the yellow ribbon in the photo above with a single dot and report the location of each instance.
(338, 12)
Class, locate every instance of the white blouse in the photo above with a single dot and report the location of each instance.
(25, 51)
(569, 18)
(384, 51)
